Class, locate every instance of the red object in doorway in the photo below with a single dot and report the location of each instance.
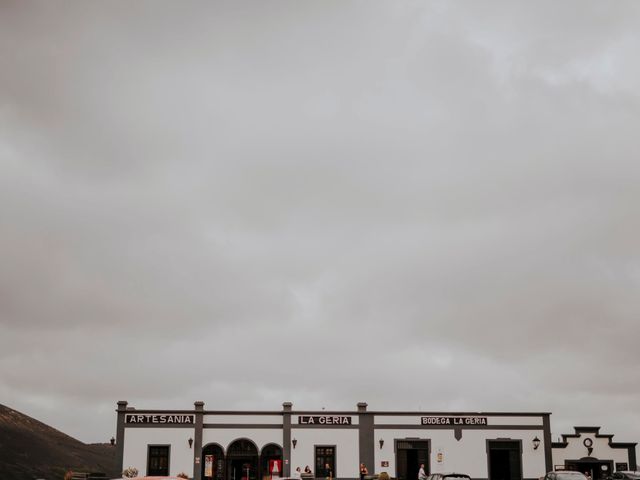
(275, 468)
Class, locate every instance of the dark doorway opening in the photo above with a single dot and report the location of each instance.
(271, 462)
(325, 456)
(598, 469)
(158, 460)
(212, 462)
(242, 460)
(410, 454)
(504, 459)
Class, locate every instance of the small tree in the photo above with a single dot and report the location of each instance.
(383, 476)
(182, 475)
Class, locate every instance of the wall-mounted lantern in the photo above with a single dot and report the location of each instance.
(381, 442)
(190, 442)
(536, 443)
(294, 442)
(112, 441)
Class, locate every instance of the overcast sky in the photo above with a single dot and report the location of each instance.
(419, 205)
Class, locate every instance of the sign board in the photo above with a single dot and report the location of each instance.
(384, 463)
(208, 465)
(453, 420)
(324, 420)
(169, 419)
(620, 466)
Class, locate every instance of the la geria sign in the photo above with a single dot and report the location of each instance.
(324, 420)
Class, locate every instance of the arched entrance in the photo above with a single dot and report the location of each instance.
(242, 460)
(214, 454)
(596, 468)
(271, 461)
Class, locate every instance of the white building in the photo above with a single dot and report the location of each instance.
(590, 451)
(255, 445)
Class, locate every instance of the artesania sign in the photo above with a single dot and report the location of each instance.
(176, 419)
(453, 420)
(323, 420)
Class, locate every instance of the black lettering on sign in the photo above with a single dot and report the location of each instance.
(453, 421)
(148, 419)
(324, 420)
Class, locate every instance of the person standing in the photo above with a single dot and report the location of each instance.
(421, 473)
(363, 471)
(328, 472)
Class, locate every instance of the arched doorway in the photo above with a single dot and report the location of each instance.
(596, 468)
(271, 461)
(242, 460)
(213, 453)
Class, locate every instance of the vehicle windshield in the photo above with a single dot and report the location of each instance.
(570, 476)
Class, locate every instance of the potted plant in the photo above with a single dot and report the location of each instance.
(130, 472)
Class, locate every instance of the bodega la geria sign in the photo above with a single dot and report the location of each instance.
(453, 420)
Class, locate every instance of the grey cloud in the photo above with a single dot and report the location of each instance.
(418, 205)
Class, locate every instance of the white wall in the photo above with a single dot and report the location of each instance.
(137, 440)
(493, 421)
(345, 440)
(469, 455)
(244, 419)
(601, 450)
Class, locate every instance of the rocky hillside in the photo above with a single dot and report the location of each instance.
(29, 449)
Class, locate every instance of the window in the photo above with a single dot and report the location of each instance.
(158, 460)
(326, 456)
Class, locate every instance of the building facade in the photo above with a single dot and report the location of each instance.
(587, 450)
(256, 445)
(260, 445)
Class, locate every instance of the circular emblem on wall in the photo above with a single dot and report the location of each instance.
(587, 442)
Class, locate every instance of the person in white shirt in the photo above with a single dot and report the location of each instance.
(421, 473)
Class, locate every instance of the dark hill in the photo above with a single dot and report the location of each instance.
(29, 449)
